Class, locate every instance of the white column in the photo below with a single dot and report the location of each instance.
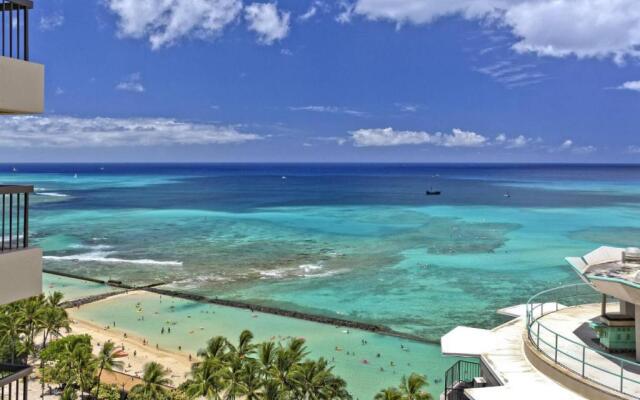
(637, 312)
(627, 309)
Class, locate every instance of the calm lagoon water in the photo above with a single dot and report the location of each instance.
(192, 324)
(353, 241)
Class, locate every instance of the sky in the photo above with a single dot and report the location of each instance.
(333, 81)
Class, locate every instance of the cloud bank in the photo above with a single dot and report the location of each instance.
(165, 22)
(74, 132)
(557, 28)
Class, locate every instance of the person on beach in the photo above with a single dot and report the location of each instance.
(169, 330)
(162, 331)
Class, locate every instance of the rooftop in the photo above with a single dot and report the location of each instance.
(502, 351)
(609, 263)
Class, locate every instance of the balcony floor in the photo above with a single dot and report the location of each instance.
(572, 323)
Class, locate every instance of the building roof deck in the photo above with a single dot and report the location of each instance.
(608, 263)
(502, 351)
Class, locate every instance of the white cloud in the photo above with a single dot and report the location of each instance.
(164, 22)
(73, 132)
(51, 22)
(265, 19)
(391, 137)
(517, 142)
(512, 75)
(286, 52)
(59, 91)
(311, 12)
(630, 85)
(408, 107)
(133, 83)
(346, 12)
(558, 28)
(584, 150)
(633, 149)
(329, 109)
(566, 144)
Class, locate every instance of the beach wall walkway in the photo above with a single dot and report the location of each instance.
(322, 319)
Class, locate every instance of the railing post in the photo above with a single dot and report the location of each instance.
(10, 221)
(3, 201)
(622, 377)
(538, 337)
(555, 357)
(25, 234)
(26, 34)
(584, 350)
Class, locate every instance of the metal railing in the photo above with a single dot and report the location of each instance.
(14, 28)
(14, 380)
(459, 377)
(15, 217)
(602, 368)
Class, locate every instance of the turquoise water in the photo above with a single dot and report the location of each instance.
(192, 324)
(351, 241)
(72, 289)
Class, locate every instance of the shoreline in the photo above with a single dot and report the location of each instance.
(152, 288)
(176, 361)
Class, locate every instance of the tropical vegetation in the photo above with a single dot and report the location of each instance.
(32, 331)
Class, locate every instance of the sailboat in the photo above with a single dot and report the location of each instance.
(432, 192)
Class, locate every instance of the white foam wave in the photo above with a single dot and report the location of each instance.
(52, 194)
(91, 246)
(308, 268)
(302, 271)
(102, 257)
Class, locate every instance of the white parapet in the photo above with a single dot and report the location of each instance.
(21, 87)
(20, 274)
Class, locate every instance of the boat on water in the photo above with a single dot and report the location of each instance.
(432, 192)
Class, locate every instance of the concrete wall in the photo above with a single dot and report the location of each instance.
(20, 274)
(21, 87)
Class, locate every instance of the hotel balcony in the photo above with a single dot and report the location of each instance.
(20, 265)
(21, 81)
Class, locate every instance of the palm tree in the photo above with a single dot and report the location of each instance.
(154, 383)
(30, 316)
(108, 359)
(234, 377)
(252, 382)
(216, 348)
(245, 347)
(55, 299)
(54, 321)
(11, 329)
(208, 380)
(272, 391)
(266, 354)
(388, 394)
(411, 387)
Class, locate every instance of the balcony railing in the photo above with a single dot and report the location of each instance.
(11, 386)
(591, 364)
(460, 377)
(14, 28)
(15, 216)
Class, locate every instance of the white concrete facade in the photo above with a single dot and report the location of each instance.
(20, 274)
(21, 86)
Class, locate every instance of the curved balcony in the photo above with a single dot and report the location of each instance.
(558, 324)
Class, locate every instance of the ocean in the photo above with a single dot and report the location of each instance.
(355, 241)
(360, 242)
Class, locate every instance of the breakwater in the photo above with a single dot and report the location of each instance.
(322, 319)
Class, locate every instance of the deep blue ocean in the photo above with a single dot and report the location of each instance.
(357, 241)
